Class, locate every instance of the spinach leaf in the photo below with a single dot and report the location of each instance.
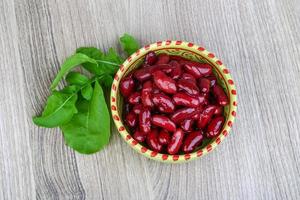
(105, 80)
(70, 63)
(59, 109)
(109, 63)
(89, 130)
(87, 91)
(129, 44)
(70, 89)
(75, 78)
(94, 53)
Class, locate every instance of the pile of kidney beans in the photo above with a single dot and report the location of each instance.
(172, 103)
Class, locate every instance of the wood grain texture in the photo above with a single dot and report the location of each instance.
(258, 40)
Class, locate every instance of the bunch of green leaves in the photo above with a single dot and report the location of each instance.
(80, 109)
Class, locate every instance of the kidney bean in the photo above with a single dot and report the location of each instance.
(135, 98)
(150, 58)
(163, 137)
(131, 119)
(126, 86)
(187, 125)
(137, 108)
(183, 99)
(152, 141)
(188, 77)
(220, 95)
(139, 136)
(147, 94)
(163, 102)
(182, 114)
(145, 120)
(177, 71)
(204, 85)
(206, 116)
(196, 116)
(202, 99)
(191, 141)
(198, 70)
(164, 83)
(164, 122)
(142, 74)
(213, 80)
(167, 68)
(219, 110)
(176, 141)
(163, 59)
(214, 127)
(188, 86)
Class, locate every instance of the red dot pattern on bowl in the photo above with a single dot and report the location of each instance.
(144, 150)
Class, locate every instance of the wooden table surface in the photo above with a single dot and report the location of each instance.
(258, 40)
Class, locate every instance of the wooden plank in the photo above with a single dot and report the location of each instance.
(258, 40)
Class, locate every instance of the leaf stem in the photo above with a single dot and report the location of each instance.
(107, 62)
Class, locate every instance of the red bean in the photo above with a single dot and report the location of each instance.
(188, 77)
(164, 122)
(214, 127)
(177, 71)
(183, 99)
(192, 140)
(164, 83)
(206, 116)
(204, 85)
(137, 108)
(164, 103)
(127, 86)
(147, 94)
(202, 98)
(142, 74)
(175, 142)
(188, 87)
(182, 114)
(135, 98)
(220, 95)
(150, 58)
(213, 80)
(139, 136)
(163, 58)
(131, 119)
(145, 120)
(196, 116)
(163, 137)
(187, 125)
(219, 110)
(152, 141)
(198, 70)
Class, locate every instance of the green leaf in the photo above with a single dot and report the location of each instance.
(94, 53)
(59, 109)
(87, 91)
(91, 52)
(75, 78)
(105, 80)
(70, 89)
(129, 44)
(107, 63)
(89, 130)
(70, 63)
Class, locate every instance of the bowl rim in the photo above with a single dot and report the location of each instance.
(214, 61)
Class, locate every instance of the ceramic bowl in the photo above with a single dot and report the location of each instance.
(189, 51)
